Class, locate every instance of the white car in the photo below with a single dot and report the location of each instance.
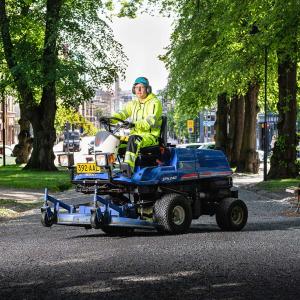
(209, 145)
(260, 155)
(8, 151)
(189, 145)
(9, 158)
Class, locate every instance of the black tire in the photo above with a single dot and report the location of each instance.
(95, 222)
(231, 214)
(173, 213)
(46, 220)
(121, 231)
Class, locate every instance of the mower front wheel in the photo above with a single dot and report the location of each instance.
(46, 220)
(95, 222)
(173, 213)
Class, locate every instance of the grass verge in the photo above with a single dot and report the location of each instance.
(278, 185)
(15, 177)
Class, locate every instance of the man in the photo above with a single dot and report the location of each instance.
(145, 112)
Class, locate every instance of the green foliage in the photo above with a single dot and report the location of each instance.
(214, 49)
(177, 122)
(88, 55)
(281, 143)
(65, 114)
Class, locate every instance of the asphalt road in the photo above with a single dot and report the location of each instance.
(260, 262)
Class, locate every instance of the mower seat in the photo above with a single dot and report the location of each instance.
(162, 140)
(149, 155)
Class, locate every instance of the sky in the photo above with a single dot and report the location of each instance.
(143, 39)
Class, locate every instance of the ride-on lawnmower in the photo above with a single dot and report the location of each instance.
(169, 187)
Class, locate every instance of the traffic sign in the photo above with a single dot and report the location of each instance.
(190, 126)
(208, 123)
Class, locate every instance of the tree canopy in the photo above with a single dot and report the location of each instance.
(221, 47)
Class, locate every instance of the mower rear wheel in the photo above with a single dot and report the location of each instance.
(46, 220)
(232, 214)
(173, 213)
(111, 230)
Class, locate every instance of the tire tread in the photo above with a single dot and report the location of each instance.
(162, 209)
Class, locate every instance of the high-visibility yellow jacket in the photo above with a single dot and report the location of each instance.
(145, 114)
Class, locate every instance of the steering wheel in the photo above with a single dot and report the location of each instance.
(113, 127)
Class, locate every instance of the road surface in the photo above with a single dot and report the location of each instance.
(260, 262)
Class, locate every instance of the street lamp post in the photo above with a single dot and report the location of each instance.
(3, 125)
(265, 119)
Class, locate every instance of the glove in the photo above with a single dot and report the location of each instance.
(114, 121)
(142, 125)
(129, 125)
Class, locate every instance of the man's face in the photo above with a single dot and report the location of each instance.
(140, 91)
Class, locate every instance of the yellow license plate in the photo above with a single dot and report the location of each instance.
(87, 168)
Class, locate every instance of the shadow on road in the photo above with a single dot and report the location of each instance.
(198, 282)
(200, 228)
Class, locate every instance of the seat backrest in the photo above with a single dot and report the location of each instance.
(163, 131)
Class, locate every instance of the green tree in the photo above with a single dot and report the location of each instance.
(70, 115)
(56, 49)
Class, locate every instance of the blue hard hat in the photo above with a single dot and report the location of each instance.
(142, 80)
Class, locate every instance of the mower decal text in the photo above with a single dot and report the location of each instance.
(169, 178)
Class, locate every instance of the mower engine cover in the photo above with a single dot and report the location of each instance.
(185, 164)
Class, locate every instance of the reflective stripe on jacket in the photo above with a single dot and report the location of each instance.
(145, 115)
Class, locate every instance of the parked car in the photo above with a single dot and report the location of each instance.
(189, 145)
(91, 145)
(260, 155)
(71, 141)
(209, 145)
(9, 158)
(8, 151)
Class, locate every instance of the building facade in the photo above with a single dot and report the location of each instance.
(8, 121)
(102, 102)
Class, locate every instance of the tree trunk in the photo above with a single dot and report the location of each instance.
(23, 149)
(221, 123)
(283, 160)
(42, 156)
(249, 162)
(42, 117)
(236, 128)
